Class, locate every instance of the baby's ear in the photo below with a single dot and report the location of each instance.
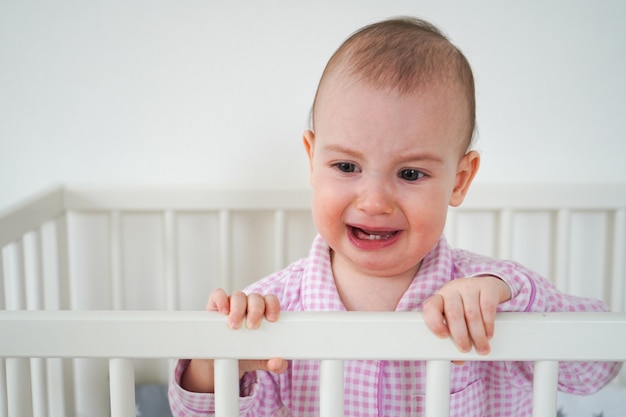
(308, 138)
(465, 173)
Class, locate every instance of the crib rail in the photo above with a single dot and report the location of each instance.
(165, 248)
(333, 337)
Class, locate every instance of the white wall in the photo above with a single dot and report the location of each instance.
(218, 93)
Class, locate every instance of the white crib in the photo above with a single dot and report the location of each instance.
(109, 277)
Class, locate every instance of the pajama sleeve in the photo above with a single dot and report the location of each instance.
(193, 404)
(530, 292)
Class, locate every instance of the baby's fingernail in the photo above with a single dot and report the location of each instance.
(442, 334)
(233, 325)
(483, 350)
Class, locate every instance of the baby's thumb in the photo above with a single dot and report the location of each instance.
(433, 316)
(275, 365)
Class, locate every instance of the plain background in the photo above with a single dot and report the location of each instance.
(217, 93)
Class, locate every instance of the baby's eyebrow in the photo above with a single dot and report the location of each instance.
(403, 158)
(421, 157)
(342, 149)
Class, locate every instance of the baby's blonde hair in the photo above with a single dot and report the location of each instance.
(405, 54)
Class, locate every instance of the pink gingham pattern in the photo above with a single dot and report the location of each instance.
(396, 388)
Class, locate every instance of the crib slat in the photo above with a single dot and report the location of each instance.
(57, 386)
(19, 390)
(38, 386)
(618, 273)
(331, 388)
(2, 279)
(116, 263)
(505, 234)
(545, 388)
(437, 388)
(122, 387)
(561, 242)
(13, 263)
(169, 259)
(451, 227)
(3, 371)
(4, 400)
(62, 248)
(279, 236)
(226, 377)
(224, 250)
(33, 270)
(49, 267)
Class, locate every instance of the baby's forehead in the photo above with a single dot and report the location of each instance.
(345, 91)
(433, 90)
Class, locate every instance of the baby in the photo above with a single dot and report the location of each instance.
(389, 150)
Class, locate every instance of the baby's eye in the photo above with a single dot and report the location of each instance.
(410, 174)
(346, 167)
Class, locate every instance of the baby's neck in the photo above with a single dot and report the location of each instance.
(362, 292)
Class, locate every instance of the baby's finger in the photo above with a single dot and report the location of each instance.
(476, 326)
(218, 301)
(256, 310)
(433, 316)
(488, 308)
(238, 309)
(457, 325)
(490, 298)
(272, 307)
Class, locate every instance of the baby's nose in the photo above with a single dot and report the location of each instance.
(374, 198)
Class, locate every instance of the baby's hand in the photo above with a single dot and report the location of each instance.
(238, 306)
(465, 309)
(198, 376)
(253, 308)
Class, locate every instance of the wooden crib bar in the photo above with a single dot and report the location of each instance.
(329, 337)
(122, 387)
(331, 383)
(437, 388)
(545, 380)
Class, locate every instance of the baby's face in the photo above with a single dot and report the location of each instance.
(384, 168)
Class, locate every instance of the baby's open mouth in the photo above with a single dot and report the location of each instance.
(365, 234)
